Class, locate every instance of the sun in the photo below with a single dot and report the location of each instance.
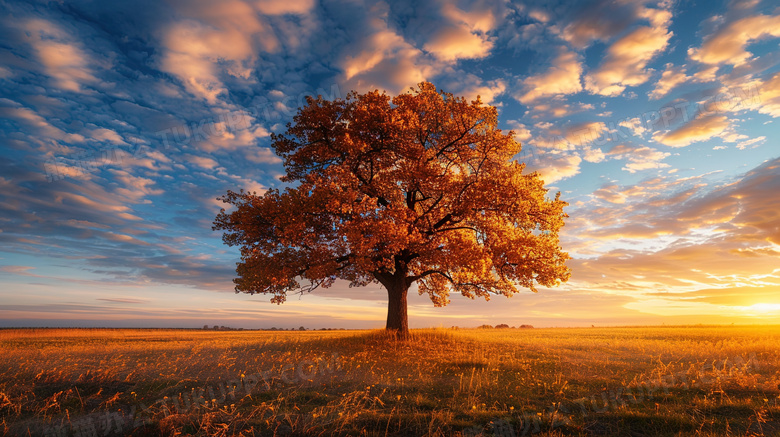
(761, 309)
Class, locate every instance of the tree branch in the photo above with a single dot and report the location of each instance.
(428, 273)
(451, 143)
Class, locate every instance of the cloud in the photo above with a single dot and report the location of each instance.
(754, 142)
(707, 74)
(208, 43)
(261, 155)
(464, 36)
(123, 300)
(635, 125)
(727, 44)
(16, 269)
(103, 134)
(203, 162)
(625, 63)
(558, 109)
(539, 15)
(284, 7)
(593, 154)
(43, 132)
(562, 77)
(397, 45)
(610, 193)
(479, 19)
(698, 129)
(770, 96)
(556, 167)
(122, 238)
(712, 242)
(529, 36)
(670, 78)
(380, 58)
(564, 150)
(455, 43)
(63, 58)
(581, 134)
(743, 212)
(600, 20)
(135, 187)
(640, 157)
(195, 52)
(757, 195)
(470, 86)
(522, 133)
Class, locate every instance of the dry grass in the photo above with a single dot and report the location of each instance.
(594, 381)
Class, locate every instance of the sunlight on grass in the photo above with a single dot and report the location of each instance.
(717, 381)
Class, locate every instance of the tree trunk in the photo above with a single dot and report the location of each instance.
(397, 319)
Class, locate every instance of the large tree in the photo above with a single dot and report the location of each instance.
(418, 188)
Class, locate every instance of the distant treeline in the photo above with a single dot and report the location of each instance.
(504, 326)
(228, 328)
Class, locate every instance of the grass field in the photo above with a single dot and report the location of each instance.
(698, 380)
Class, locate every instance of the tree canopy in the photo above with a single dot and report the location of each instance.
(418, 188)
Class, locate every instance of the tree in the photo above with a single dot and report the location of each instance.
(421, 188)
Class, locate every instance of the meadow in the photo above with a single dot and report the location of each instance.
(632, 381)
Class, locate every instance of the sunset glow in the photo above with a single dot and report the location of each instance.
(121, 124)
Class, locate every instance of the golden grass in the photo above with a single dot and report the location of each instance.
(586, 381)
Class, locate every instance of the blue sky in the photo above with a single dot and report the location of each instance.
(122, 122)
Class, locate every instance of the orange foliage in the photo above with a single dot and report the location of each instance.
(418, 188)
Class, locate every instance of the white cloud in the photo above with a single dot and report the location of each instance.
(635, 125)
(382, 59)
(103, 134)
(522, 133)
(43, 131)
(698, 129)
(770, 96)
(639, 158)
(480, 20)
(282, 7)
(135, 188)
(556, 167)
(451, 34)
(727, 45)
(755, 142)
(593, 154)
(203, 162)
(563, 77)
(457, 42)
(611, 193)
(670, 78)
(601, 20)
(215, 39)
(625, 63)
(63, 58)
(261, 155)
(470, 86)
(585, 133)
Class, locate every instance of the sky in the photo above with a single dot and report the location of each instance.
(122, 122)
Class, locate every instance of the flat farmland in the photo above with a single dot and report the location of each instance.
(692, 380)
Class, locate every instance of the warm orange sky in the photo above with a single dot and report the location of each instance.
(121, 124)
